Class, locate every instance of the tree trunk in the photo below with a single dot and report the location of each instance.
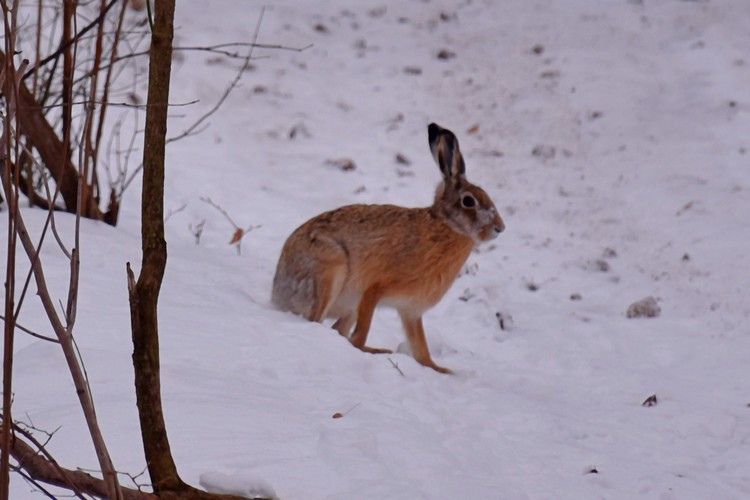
(144, 294)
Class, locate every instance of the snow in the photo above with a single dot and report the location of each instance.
(639, 186)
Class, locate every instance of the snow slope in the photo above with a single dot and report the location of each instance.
(613, 137)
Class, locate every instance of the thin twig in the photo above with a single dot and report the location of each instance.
(41, 449)
(36, 484)
(197, 231)
(64, 46)
(195, 127)
(119, 104)
(171, 212)
(395, 365)
(32, 333)
(231, 86)
(219, 49)
(209, 201)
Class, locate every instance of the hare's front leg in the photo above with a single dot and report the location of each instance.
(417, 341)
(365, 310)
(344, 324)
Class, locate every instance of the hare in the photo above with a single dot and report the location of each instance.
(345, 262)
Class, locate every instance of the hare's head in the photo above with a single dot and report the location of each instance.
(466, 207)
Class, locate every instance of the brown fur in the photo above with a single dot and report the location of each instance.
(343, 263)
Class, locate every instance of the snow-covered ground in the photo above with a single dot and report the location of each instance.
(613, 137)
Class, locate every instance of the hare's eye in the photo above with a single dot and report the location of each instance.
(468, 201)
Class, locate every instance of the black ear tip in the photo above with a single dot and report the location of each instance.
(433, 130)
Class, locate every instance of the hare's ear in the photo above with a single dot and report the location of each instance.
(444, 147)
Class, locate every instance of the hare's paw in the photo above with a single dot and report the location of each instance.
(441, 369)
(375, 350)
(429, 363)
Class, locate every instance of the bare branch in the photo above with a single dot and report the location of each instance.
(221, 49)
(66, 343)
(43, 468)
(119, 104)
(231, 86)
(252, 45)
(42, 450)
(67, 43)
(170, 213)
(197, 230)
(32, 333)
(206, 199)
(239, 232)
(9, 85)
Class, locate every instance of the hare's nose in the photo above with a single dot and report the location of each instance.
(499, 227)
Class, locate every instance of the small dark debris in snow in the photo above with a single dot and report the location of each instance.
(600, 265)
(134, 98)
(544, 152)
(360, 190)
(550, 75)
(469, 269)
(466, 296)
(575, 296)
(345, 164)
(650, 401)
(473, 129)
(742, 150)
(531, 286)
(491, 153)
(360, 44)
(412, 70)
(260, 89)
(448, 16)
(402, 160)
(732, 104)
(404, 173)
(378, 11)
(609, 253)
(644, 308)
(504, 320)
(320, 28)
(687, 206)
(344, 106)
(299, 130)
(592, 470)
(595, 115)
(339, 414)
(445, 54)
(538, 49)
(686, 257)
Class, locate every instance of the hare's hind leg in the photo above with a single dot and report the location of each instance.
(328, 285)
(418, 342)
(365, 310)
